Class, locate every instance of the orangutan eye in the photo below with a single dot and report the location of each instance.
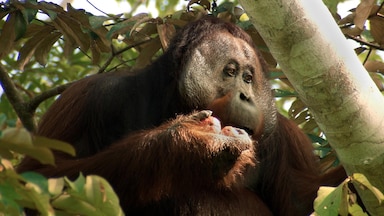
(230, 69)
(247, 77)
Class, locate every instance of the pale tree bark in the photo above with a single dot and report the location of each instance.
(325, 71)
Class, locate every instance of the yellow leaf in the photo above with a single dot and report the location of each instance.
(361, 179)
(17, 136)
(44, 142)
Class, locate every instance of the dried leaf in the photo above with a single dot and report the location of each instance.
(378, 81)
(309, 126)
(72, 29)
(226, 15)
(29, 48)
(206, 4)
(139, 22)
(166, 32)
(360, 50)
(377, 29)
(297, 107)
(42, 51)
(98, 21)
(348, 19)
(352, 31)
(192, 2)
(33, 29)
(148, 51)
(103, 44)
(238, 12)
(374, 66)
(125, 26)
(96, 53)
(363, 10)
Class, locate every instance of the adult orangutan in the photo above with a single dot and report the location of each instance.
(210, 65)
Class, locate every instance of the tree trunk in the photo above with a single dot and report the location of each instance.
(325, 71)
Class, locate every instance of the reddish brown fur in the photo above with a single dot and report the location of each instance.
(99, 110)
(196, 171)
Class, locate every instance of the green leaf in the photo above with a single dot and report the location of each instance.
(361, 179)
(89, 196)
(17, 136)
(20, 140)
(20, 25)
(29, 14)
(8, 34)
(3, 119)
(328, 201)
(275, 74)
(76, 186)
(284, 93)
(101, 195)
(38, 181)
(36, 194)
(356, 210)
(8, 204)
(74, 206)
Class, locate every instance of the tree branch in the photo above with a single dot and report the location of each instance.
(36, 101)
(16, 100)
(325, 71)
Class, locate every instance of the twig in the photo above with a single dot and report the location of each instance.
(36, 101)
(114, 54)
(359, 40)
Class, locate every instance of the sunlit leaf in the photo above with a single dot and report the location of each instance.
(329, 200)
(89, 196)
(17, 136)
(40, 141)
(38, 180)
(361, 179)
(55, 186)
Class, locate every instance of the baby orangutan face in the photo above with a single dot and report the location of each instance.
(211, 124)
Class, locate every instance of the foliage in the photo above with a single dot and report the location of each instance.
(342, 200)
(45, 47)
(91, 195)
